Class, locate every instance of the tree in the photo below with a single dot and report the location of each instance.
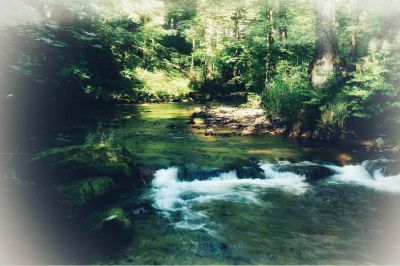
(323, 66)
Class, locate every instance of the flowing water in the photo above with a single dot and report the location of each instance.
(226, 200)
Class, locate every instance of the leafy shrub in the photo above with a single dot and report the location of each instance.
(288, 92)
(368, 89)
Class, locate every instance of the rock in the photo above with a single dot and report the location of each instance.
(191, 172)
(210, 132)
(262, 120)
(111, 226)
(296, 130)
(380, 142)
(127, 117)
(87, 191)
(386, 167)
(311, 172)
(306, 135)
(144, 174)
(77, 162)
(248, 131)
(243, 121)
(344, 158)
(280, 131)
(396, 149)
(246, 168)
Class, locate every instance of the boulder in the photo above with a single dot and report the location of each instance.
(386, 167)
(311, 172)
(144, 174)
(246, 168)
(192, 172)
(82, 193)
(77, 162)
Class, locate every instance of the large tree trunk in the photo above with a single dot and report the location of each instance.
(323, 68)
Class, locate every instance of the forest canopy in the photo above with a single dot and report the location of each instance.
(324, 65)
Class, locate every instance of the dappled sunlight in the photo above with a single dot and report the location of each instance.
(199, 132)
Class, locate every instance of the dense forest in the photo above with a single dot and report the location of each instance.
(330, 66)
(199, 132)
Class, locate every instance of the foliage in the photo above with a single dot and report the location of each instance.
(289, 92)
(368, 89)
(79, 53)
(160, 85)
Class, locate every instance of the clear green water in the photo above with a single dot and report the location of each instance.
(161, 135)
(224, 220)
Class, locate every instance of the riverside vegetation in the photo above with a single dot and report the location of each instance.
(152, 132)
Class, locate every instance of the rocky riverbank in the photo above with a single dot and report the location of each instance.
(236, 121)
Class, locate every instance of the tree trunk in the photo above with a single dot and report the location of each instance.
(270, 44)
(192, 63)
(323, 67)
(145, 22)
(282, 27)
(209, 49)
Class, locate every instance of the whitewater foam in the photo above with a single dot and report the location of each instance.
(359, 175)
(174, 197)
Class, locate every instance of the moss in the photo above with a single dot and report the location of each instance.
(85, 191)
(79, 161)
(116, 214)
(112, 225)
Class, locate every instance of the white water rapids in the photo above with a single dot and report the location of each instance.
(176, 199)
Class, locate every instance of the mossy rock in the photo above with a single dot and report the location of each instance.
(111, 226)
(77, 162)
(84, 192)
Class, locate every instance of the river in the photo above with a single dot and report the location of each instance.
(226, 199)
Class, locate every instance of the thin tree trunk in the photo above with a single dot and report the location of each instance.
(323, 67)
(145, 21)
(192, 63)
(282, 26)
(270, 44)
(209, 65)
